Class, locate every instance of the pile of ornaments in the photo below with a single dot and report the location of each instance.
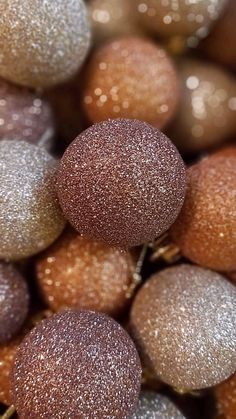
(117, 209)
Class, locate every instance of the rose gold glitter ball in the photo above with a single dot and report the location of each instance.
(131, 78)
(122, 182)
(183, 321)
(78, 364)
(205, 228)
(206, 116)
(225, 394)
(77, 272)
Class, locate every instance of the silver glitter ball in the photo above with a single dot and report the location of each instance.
(156, 406)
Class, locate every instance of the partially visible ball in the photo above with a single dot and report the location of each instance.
(7, 356)
(131, 78)
(121, 182)
(30, 217)
(156, 406)
(76, 364)
(225, 394)
(183, 321)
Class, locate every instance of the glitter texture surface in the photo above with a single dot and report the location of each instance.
(121, 182)
(30, 217)
(14, 301)
(42, 42)
(7, 355)
(156, 406)
(77, 272)
(131, 78)
(77, 364)
(183, 320)
(207, 112)
(205, 228)
(225, 394)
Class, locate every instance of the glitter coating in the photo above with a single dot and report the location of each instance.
(205, 228)
(156, 406)
(225, 394)
(121, 182)
(7, 355)
(14, 301)
(30, 217)
(206, 116)
(183, 320)
(76, 364)
(42, 42)
(77, 272)
(131, 78)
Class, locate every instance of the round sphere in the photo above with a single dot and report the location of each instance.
(225, 394)
(24, 116)
(14, 301)
(157, 406)
(76, 364)
(121, 182)
(77, 272)
(205, 228)
(47, 39)
(131, 78)
(206, 115)
(183, 320)
(7, 356)
(30, 215)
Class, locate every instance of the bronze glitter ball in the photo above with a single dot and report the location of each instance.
(78, 364)
(205, 228)
(7, 355)
(30, 217)
(42, 42)
(207, 111)
(225, 394)
(122, 182)
(156, 406)
(77, 272)
(14, 301)
(131, 78)
(183, 320)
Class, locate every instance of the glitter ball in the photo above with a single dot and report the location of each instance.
(77, 272)
(131, 78)
(183, 321)
(207, 112)
(205, 228)
(24, 116)
(14, 301)
(42, 42)
(76, 364)
(30, 217)
(156, 406)
(122, 182)
(225, 394)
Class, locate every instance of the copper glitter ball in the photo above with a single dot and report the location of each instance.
(205, 228)
(183, 321)
(206, 116)
(77, 272)
(78, 364)
(156, 406)
(131, 78)
(7, 355)
(30, 217)
(14, 301)
(225, 394)
(122, 182)
(42, 42)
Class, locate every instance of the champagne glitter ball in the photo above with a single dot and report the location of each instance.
(77, 272)
(14, 301)
(30, 217)
(225, 394)
(24, 116)
(207, 112)
(131, 78)
(122, 182)
(76, 364)
(156, 406)
(205, 228)
(42, 42)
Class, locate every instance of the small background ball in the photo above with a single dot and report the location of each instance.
(225, 394)
(157, 406)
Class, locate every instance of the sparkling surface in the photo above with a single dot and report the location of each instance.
(14, 301)
(76, 364)
(183, 320)
(225, 394)
(156, 406)
(121, 182)
(77, 272)
(7, 355)
(131, 78)
(207, 113)
(205, 228)
(30, 217)
(42, 42)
